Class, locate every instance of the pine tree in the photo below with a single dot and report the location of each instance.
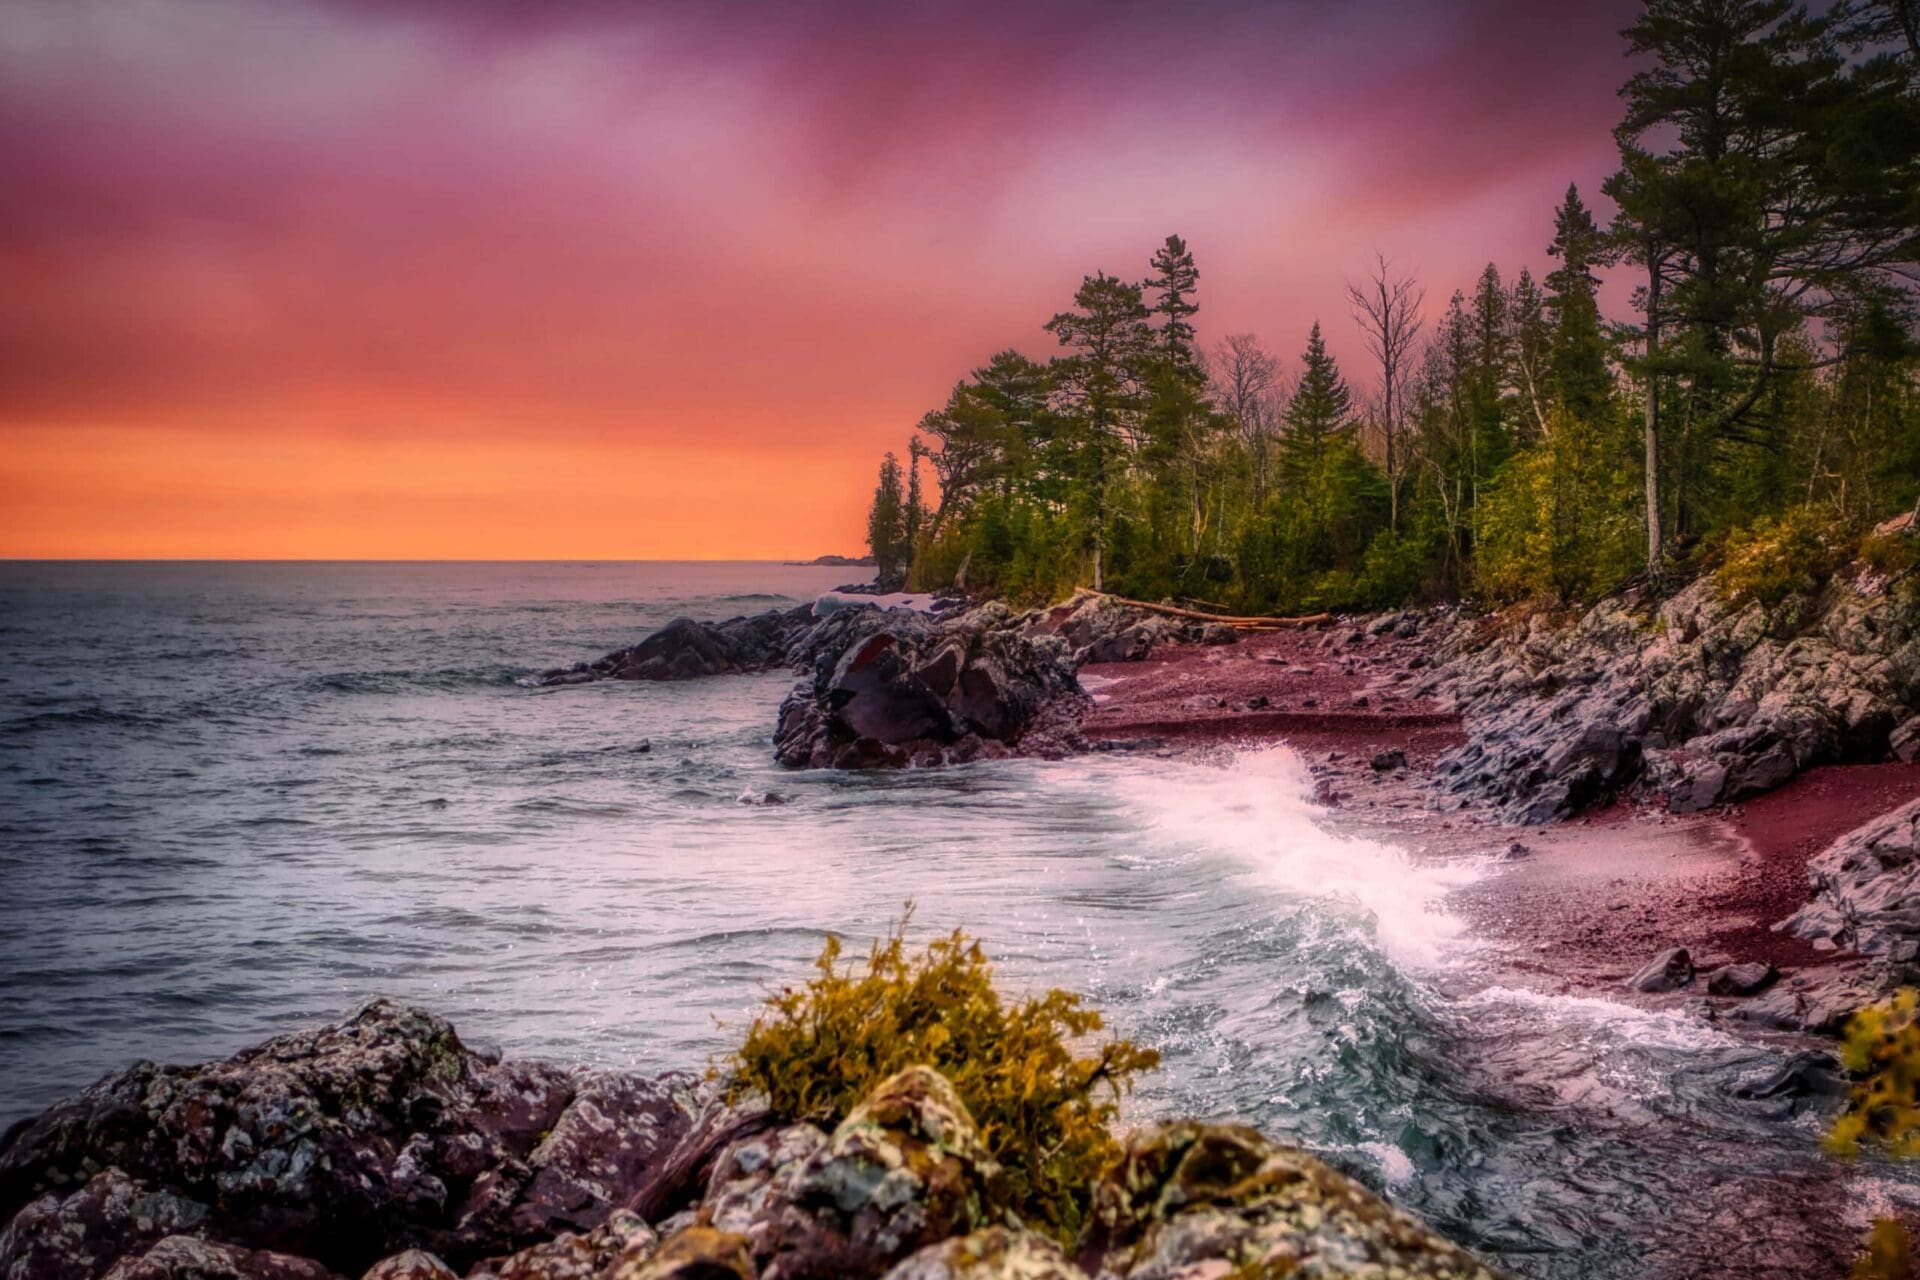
(1319, 414)
(915, 516)
(1175, 280)
(1578, 374)
(887, 526)
(1113, 347)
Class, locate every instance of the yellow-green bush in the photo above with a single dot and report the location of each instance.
(1044, 1106)
(1773, 559)
(1888, 1255)
(1882, 1049)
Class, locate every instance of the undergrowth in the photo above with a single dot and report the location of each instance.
(1043, 1097)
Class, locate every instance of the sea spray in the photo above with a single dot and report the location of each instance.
(1255, 807)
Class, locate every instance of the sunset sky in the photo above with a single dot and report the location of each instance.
(599, 278)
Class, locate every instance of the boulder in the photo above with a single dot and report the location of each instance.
(904, 1170)
(997, 1253)
(1904, 742)
(1741, 979)
(414, 1264)
(1388, 761)
(191, 1258)
(623, 1238)
(695, 1253)
(1669, 971)
(1866, 889)
(687, 650)
(901, 689)
(345, 1143)
(1817, 1002)
(78, 1236)
(1192, 1199)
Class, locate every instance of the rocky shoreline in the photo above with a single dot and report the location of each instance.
(1633, 734)
(384, 1147)
(1688, 805)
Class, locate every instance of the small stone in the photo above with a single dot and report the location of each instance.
(1741, 979)
(1388, 761)
(414, 1264)
(1669, 971)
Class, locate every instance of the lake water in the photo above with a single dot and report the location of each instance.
(238, 798)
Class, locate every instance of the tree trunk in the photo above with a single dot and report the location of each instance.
(1654, 537)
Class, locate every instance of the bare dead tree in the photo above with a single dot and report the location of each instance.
(1246, 385)
(1388, 313)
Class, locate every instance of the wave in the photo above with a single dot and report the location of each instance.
(84, 717)
(389, 682)
(1257, 811)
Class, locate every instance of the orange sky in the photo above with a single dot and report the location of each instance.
(363, 278)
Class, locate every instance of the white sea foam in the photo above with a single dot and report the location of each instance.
(1256, 809)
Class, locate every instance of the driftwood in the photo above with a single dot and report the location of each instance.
(1238, 624)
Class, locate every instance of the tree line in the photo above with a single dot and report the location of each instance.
(1514, 442)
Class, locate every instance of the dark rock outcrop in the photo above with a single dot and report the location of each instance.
(1866, 888)
(309, 1157)
(343, 1144)
(1188, 1193)
(1686, 700)
(687, 650)
(892, 689)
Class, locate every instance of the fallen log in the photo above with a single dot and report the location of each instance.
(1253, 623)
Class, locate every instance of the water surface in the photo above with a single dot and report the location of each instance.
(238, 798)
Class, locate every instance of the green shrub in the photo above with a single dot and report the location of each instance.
(1888, 1255)
(1774, 559)
(1892, 554)
(1044, 1108)
(1882, 1049)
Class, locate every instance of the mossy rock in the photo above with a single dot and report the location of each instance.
(997, 1253)
(1189, 1193)
(697, 1253)
(904, 1170)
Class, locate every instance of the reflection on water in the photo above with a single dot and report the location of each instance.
(238, 798)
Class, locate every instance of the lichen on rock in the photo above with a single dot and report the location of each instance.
(1189, 1193)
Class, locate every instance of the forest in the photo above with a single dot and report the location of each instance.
(1756, 400)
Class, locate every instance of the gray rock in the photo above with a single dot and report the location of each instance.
(191, 1258)
(413, 1264)
(1741, 979)
(685, 649)
(1668, 971)
(1904, 742)
(1684, 699)
(1193, 1200)
(345, 1144)
(902, 689)
(1866, 889)
(1817, 1003)
(997, 1253)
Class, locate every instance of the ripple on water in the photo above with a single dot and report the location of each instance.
(595, 903)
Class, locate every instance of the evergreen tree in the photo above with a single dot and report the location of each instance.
(1175, 280)
(1578, 374)
(1319, 415)
(887, 526)
(1764, 179)
(916, 506)
(1112, 346)
(1530, 351)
